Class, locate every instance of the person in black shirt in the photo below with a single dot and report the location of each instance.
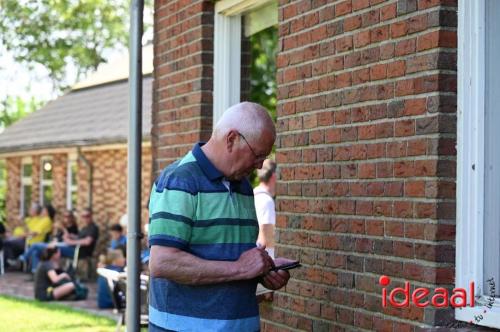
(86, 238)
(49, 284)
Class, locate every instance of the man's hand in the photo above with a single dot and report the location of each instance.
(276, 279)
(255, 262)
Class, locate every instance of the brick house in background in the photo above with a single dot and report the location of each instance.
(73, 151)
(372, 178)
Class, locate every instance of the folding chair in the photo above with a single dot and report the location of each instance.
(117, 287)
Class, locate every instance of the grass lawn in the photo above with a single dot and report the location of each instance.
(29, 315)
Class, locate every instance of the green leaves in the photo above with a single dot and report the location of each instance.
(13, 109)
(62, 33)
(263, 69)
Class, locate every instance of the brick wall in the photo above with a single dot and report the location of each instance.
(13, 192)
(109, 200)
(183, 78)
(366, 155)
(109, 186)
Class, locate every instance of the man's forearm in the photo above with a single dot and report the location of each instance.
(184, 268)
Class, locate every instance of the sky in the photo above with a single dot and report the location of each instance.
(18, 80)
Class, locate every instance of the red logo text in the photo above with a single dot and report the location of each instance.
(423, 297)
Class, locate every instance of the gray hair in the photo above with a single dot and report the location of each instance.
(250, 119)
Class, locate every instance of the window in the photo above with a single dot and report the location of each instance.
(478, 159)
(257, 15)
(72, 184)
(46, 181)
(26, 186)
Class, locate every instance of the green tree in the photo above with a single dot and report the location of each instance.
(62, 33)
(263, 69)
(13, 109)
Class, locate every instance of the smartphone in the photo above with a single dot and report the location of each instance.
(287, 266)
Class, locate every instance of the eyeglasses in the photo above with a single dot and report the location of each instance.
(257, 157)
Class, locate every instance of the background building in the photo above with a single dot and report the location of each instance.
(367, 144)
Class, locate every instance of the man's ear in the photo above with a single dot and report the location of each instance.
(231, 137)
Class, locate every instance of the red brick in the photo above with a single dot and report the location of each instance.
(388, 12)
(378, 72)
(343, 80)
(404, 169)
(399, 29)
(404, 128)
(352, 23)
(367, 171)
(343, 8)
(361, 39)
(415, 188)
(367, 132)
(379, 34)
(360, 76)
(344, 44)
(396, 69)
(405, 47)
(360, 4)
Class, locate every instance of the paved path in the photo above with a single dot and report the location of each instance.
(15, 284)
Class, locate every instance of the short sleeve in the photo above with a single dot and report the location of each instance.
(264, 207)
(171, 214)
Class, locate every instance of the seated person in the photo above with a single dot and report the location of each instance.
(50, 283)
(113, 260)
(38, 226)
(86, 238)
(117, 237)
(68, 225)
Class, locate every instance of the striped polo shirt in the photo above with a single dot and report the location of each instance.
(193, 208)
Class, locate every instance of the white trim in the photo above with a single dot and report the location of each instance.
(470, 161)
(45, 182)
(25, 181)
(227, 62)
(69, 179)
(261, 18)
(26, 160)
(238, 7)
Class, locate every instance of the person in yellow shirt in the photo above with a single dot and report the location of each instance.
(40, 226)
(37, 226)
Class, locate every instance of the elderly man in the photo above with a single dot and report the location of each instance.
(204, 262)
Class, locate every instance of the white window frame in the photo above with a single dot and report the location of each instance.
(45, 182)
(227, 52)
(471, 162)
(25, 181)
(70, 188)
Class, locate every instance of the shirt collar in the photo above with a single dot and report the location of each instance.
(206, 165)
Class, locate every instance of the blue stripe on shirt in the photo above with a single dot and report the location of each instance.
(170, 321)
(220, 251)
(226, 301)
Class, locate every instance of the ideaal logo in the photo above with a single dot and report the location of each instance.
(440, 298)
(490, 299)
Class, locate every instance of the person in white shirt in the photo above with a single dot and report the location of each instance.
(264, 205)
